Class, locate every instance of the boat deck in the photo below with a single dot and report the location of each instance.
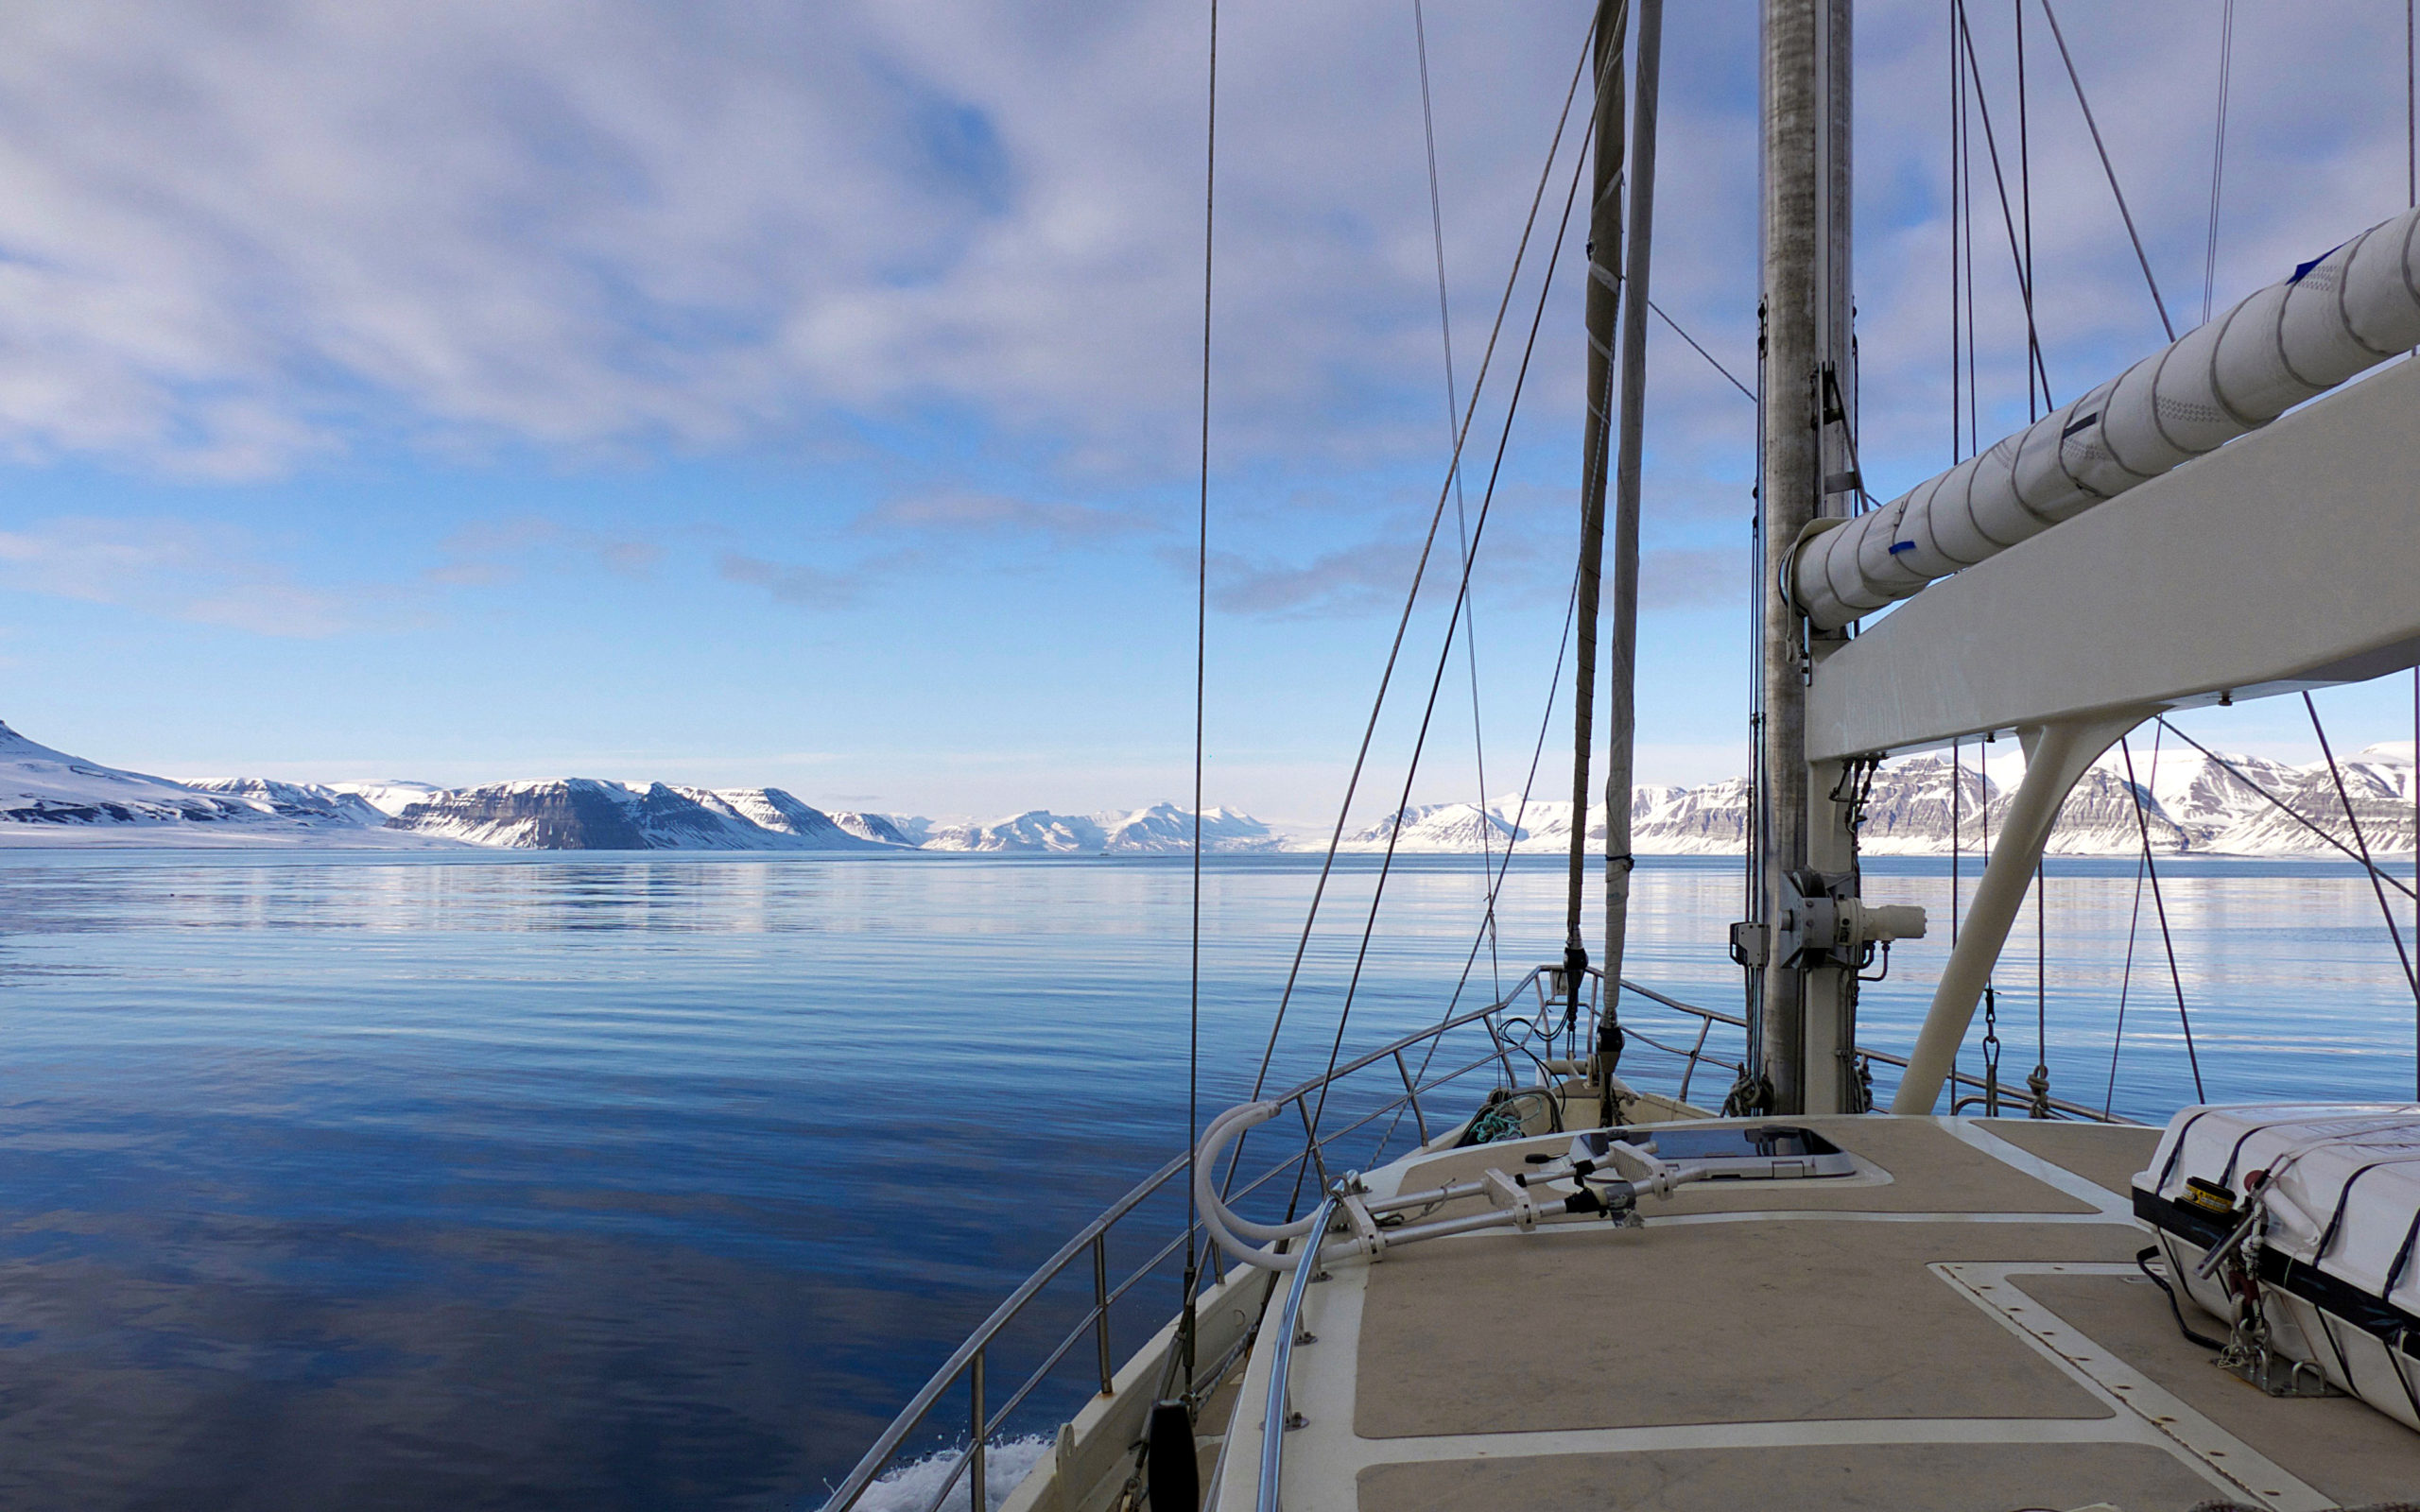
(1958, 1325)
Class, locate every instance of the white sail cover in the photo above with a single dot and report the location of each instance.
(2337, 316)
(2344, 1183)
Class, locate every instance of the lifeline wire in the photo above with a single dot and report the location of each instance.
(1454, 407)
(1402, 624)
(1201, 683)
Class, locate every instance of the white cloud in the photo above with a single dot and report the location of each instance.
(183, 571)
(234, 239)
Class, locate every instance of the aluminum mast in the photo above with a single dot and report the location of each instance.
(1809, 406)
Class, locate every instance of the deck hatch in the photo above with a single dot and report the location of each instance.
(1735, 1152)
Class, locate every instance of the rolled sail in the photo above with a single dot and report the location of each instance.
(2335, 318)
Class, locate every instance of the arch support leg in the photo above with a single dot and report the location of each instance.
(2055, 756)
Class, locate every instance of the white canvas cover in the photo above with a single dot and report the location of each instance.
(2347, 1181)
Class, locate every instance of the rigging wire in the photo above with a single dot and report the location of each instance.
(2110, 172)
(1386, 677)
(2133, 925)
(2218, 155)
(1462, 527)
(1520, 815)
(2394, 931)
(1444, 655)
(2024, 194)
(2007, 216)
(2039, 1083)
(2168, 941)
(1966, 170)
(1957, 826)
(2287, 809)
(1201, 683)
(1702, 352)
(1957, 415)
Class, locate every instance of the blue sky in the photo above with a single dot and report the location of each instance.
(757, 394)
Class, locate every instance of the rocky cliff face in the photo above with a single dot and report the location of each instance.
(2189, 804)
(307, 802)
(883, 828)
(584, 814)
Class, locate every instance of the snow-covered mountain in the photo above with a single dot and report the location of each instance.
(2190, 803)
(309, 802)
(889, 828)
(50, 798)
(389, 797)
(39, 785)
(588, 813)
(1165, 828)
(1036, 830)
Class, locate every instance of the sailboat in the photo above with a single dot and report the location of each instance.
(1557, 1287)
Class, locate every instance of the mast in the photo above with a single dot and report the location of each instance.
(1621, 695)
(1603, 303)
(1809, 408)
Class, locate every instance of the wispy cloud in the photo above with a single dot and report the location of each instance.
(1350, 582)
(174, 568)
(794, 582)
(1684, 578)
(500, 551)
(960, 510)
(240, 239)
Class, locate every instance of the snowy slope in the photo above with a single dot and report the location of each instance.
(2378, 782)
(389, 797)
(2190, 805)
(589, 813)
(39, 785)
(48, 798)
(1436, 829)
(889, 828)
(309, 802)
(1035, 832)
(1165, 828)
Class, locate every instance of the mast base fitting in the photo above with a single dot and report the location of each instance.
(1824, 923)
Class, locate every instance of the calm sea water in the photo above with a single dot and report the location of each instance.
(654, 1182)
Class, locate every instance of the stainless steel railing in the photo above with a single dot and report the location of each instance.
(968, 1365)
(1520, 1031)
(1275, 1418)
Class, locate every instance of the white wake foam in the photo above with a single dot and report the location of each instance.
(911, 1488)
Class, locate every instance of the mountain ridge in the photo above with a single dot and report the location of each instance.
(2190, 804)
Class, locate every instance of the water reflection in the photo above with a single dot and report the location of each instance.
(655, 1181)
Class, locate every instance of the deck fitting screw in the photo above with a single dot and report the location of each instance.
(1295, 1420)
